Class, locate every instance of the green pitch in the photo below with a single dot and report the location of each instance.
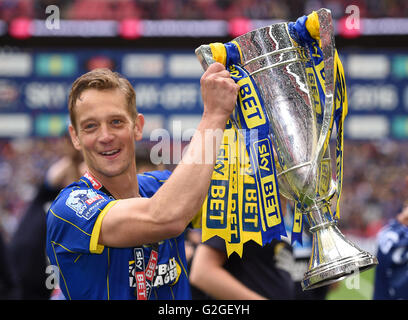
(355, 287)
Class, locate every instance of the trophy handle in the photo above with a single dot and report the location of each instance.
(205, 56)
(327, 45)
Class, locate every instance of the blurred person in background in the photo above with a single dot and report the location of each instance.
(391, 274)
(26, 247)
(118, 235)
(271, 272)
(144, 162)
(263, 272)
(193, 240)
(8, 281)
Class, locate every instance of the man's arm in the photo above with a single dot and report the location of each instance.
(137, 221)
(207, 274)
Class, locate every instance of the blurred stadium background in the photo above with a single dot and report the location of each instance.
(152, 43)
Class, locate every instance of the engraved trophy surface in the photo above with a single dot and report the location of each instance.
(277, 65)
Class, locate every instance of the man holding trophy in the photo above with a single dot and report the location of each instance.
(112, 233)
(116, 234)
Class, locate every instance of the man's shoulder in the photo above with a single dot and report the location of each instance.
(150, 181)
(75, 187)
(76, 198)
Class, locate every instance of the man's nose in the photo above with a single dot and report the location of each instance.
(105, 134)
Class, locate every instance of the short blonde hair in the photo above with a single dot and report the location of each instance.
(101, 79)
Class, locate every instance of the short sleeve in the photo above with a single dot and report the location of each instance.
(74, 219)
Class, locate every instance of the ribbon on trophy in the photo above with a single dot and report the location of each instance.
(243, 199)
(305, 31)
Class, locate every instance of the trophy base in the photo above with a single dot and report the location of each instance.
(334, 271)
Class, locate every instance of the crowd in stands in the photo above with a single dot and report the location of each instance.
(374, 185)
(196, 9)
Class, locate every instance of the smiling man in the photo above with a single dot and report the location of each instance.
(116, 234)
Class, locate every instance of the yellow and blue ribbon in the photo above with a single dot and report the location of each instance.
(255, 130)
(251, 193)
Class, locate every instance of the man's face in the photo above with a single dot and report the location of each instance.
(105, 132)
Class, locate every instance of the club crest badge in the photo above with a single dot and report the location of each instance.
(84, 202)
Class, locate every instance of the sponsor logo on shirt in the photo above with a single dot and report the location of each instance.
(95, 183)
(166, 273)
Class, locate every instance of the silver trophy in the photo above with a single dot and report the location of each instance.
(277, 65)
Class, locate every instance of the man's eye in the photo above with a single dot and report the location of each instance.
(117, 122)
(89, 126)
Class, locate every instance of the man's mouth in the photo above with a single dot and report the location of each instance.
(110, 152)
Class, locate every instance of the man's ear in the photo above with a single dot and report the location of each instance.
(74, 137)
(139, 124)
